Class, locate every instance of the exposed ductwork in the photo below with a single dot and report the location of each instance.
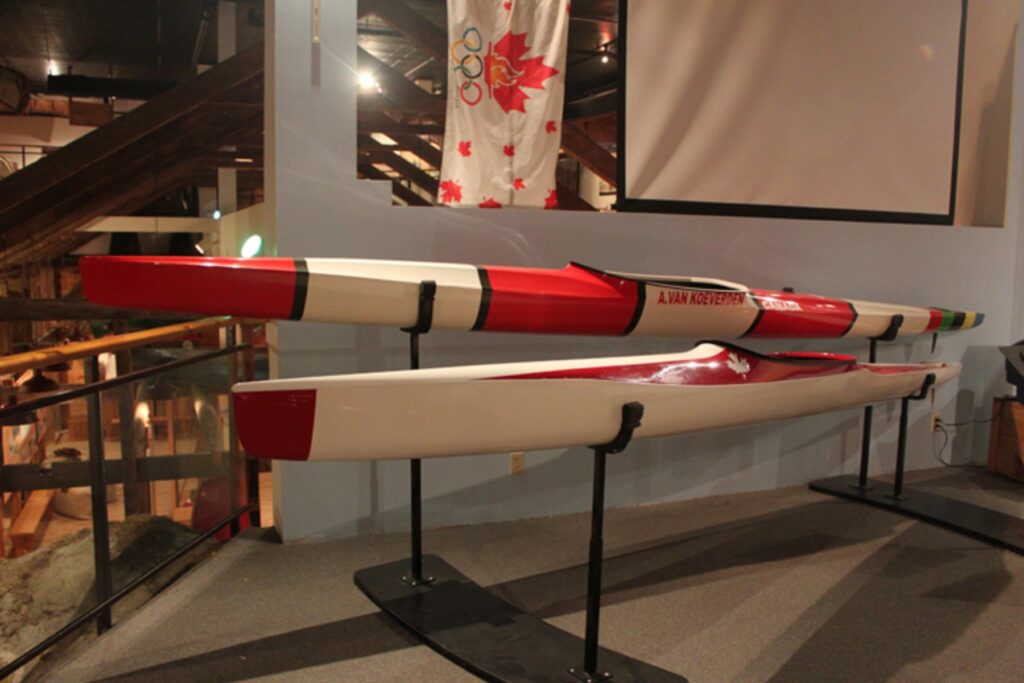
(87, 86)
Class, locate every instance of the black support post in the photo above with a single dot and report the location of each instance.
(869, 411)
(133, 502)
(252, 465)
(492, 638)
(865, 439)
(901, 446)
(234, 458)
(424, 320)
(98, 485)
(631, 415)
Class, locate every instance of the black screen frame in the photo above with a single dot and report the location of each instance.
(632, 204)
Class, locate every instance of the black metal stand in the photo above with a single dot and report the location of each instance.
(983, 524)
(98, 487)
(901, 443)
(631, 414)
(424, 320)
(869, 410)
(496, 640)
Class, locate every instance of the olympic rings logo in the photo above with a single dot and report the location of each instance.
(465, 53)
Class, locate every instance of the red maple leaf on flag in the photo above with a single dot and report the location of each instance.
(490, 203)
(464, 148)
(508, 5)
(551, 127)
(551, 201)
(518, 184)
(507, 73)
(509, 150)
(451, 192)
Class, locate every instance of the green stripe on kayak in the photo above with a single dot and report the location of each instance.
(947, 320)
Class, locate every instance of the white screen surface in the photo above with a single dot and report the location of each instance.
(835, 104)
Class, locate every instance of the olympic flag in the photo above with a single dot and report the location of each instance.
(506, 86)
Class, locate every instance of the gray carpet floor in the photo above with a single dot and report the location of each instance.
(780, 586)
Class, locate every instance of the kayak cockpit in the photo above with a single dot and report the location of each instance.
(702, 283)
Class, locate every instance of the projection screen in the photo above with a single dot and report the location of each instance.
(843, 109)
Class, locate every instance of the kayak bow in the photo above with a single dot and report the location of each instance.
(573, 300)
(553, 404)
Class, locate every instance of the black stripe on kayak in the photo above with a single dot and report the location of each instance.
(641, 301)
(301, 289)
(958, 320)
(853, 320)
(757, 318)
(485, 299)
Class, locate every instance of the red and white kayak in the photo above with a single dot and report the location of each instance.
(572, 300)
(553, 404)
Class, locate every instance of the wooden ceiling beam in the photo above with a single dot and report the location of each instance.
(371, 122)
(397, 188)
(411, 142)
(135, 186)
(397, 87)
(79, 156)
(568, 200)
(429, 106)
(22, 219)
(581, 147)
(406, 169)
(420, 31)
(68, 239)
(595, 105)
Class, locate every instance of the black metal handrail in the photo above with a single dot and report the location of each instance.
(84, 618)
(98, 481)
(93, 387)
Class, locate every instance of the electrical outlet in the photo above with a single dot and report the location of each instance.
(936, 419)
(515, 462)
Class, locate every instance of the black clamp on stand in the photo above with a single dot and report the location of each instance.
(631, 415)
(901, 445)
(890, 334)
(424, 320)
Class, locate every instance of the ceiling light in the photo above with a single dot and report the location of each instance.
(243, 160)
(368, 82)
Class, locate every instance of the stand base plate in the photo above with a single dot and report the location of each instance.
(485, 635)
(1004, 531)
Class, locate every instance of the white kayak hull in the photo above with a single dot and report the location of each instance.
(573, 300)
(556, 404)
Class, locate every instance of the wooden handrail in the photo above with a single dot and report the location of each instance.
(20, 362)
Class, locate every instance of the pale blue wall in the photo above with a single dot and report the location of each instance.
(321, 209)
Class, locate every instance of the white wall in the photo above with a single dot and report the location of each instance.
(321, 208)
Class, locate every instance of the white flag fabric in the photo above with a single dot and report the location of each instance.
(506, 86)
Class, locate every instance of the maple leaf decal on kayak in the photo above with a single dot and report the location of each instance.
(506, 72)
(451, 192)
(738, 365)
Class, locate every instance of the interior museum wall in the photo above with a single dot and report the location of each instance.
(320, 208)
